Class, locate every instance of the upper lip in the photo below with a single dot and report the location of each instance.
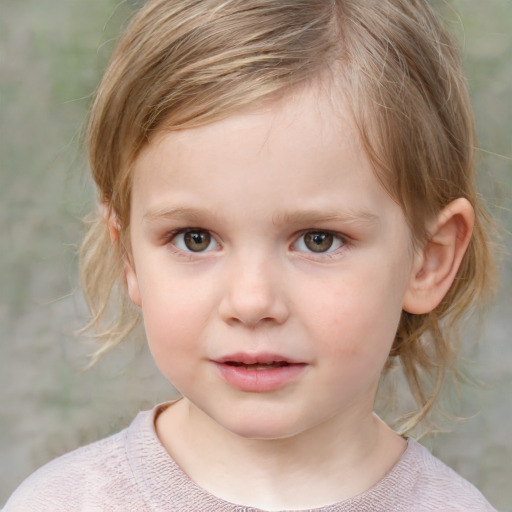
(259, 358)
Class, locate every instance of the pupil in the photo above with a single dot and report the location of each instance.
(197, 241)
(318, 242)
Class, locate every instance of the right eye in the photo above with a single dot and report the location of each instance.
(194, 240)
(319, 242)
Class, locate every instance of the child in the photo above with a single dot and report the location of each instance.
(287, 198)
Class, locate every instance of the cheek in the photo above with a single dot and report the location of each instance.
(172, 335)
(169, 320)
(358, 315)
(171, 313)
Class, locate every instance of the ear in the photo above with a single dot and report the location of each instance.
(114, 229)
(437, 263)
(132, 282)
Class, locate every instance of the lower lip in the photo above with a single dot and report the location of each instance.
(259, 381)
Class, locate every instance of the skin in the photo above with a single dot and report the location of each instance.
(258, 183)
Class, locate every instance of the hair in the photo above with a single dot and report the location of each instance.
(185, 63)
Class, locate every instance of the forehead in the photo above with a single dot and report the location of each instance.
(310, 118)
(302, 147)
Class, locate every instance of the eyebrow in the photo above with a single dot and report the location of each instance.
(295, 217)
(317, 216)
(191, 214)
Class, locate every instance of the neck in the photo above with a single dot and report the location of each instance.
(334, 461)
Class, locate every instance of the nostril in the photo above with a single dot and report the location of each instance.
(252, 297)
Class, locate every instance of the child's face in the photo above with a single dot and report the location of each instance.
(266, 238)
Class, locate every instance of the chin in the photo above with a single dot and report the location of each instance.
(262, 427)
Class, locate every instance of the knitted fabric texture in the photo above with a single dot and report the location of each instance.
(132, 471)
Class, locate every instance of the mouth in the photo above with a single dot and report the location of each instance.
(258, 366)
(259, 373)
(261, 361)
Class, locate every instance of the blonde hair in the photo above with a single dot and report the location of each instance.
(184, 63)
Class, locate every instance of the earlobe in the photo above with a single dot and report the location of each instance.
(437, 263)
(132, 284)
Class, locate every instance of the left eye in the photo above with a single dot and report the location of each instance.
(194, 240)
(319, 242)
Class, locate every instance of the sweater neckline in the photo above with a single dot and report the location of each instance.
(162, 481)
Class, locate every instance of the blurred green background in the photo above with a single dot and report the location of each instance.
(52, 53)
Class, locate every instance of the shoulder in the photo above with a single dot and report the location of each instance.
(94, 477)
(432, 485)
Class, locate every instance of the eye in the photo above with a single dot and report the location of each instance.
(194, 240)
(319, 242)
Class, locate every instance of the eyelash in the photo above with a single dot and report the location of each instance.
(338, 240)
(173, 236)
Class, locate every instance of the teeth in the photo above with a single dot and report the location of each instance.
(259, 366)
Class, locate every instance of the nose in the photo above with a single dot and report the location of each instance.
(254, 294)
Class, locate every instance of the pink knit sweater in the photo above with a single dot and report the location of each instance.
(131, 471)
